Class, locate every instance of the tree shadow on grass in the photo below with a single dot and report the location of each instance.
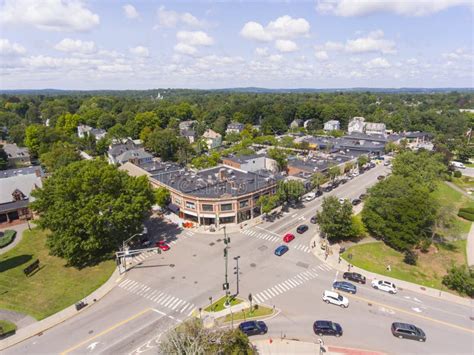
(13, 262)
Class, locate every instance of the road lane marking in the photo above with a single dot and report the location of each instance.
(158, 311)
(172, 304)
(413, 314)
(192, 310)
(108, 330)
(169, 301)
(165, 299)
(177, 304)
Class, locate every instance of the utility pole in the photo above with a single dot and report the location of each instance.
(236, 268)
(226, 257)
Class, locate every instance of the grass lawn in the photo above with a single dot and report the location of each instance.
(259, 312)
(219, 304)
(464, 182)
(430, 268)
(53, 287)
(6, 327)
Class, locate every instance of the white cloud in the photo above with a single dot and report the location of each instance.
(170, 18)
(194, 38)
(284, 27)
(458, 54)
(377, 63)
(334, 46)
(321, 55)
(75, 46)
(261, 51)
(275, 58)
(348, 8)
(412, 61)
(285, 45)
(130, 11)
(52, 15)
(185, 49)
(140, 51)
(374, 42)
(10, 48)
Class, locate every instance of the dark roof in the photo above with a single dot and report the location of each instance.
(14, 205)
(369, 137)
(416, 134)
(313, 165)
(21, 171)
(207, 184)
(243, 158)
(187, 133)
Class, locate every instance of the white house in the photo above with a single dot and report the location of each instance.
(374, 128)
(296, 123)
(356, 125)
(212, 139)
(307, 123)
(128, 151)
(85, 130)
(235, 127)
(332, 125)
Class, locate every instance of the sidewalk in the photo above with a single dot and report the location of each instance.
(470, 246)
(67, 313)
(19, 228)
(287, 346)
(333, 260)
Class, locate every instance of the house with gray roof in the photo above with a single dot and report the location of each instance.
(128, 151)
(17, 155)
(85, 130)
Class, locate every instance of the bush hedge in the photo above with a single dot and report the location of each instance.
(466, 215)
(457, 174)
(7, 238)
(467, 209)
(461, 279)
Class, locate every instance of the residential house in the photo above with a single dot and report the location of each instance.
(306, 123)
(128, 150)
(17, 155)
(332, 125)
(234, 127)
(296, 123)
(85, 130)
(374, 128)
(189, 134)
(356, 125)
(212, 139)
(186, 125)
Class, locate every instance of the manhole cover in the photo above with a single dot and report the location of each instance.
(212, 243)
(300, 264)
(183, 277)
(171, 265)
(253, 265)
(172, 277)
(195, 282)
(194, 254)
(262, 248)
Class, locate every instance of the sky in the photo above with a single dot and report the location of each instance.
(144, 44)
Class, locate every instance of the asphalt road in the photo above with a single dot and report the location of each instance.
(165, 289)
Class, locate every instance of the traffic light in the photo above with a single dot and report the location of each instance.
(225, 286)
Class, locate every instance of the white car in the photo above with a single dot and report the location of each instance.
(341, 200)
(335, 298)
(309, 196)
(386, 286)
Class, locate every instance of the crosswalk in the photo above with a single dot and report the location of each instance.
(285, 286)
(185, 233)
(274, 239)
(161, 298)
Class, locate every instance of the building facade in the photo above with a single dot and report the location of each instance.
(332, 125)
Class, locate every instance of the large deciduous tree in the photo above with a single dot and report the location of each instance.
(399, 211)
(59, 155)
(335, 219)
(90, 208)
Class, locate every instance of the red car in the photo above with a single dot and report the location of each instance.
(162, 245)
(288, 237)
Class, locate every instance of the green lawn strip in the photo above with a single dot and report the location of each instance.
(53, 287)
(261, 311)
(464, 182)
(219, 304)
(429, 271)
(6, 327)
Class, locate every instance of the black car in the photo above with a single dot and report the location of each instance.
(314, 220)
(301, 229)
(354, 276)
(318, 193)
(356, 201)
(326, 327)
(328, 188)
(253, 327)
(408, 331)
(344, 286)
(335, 184)
(343, 181)
(380, 177)
(363, 196)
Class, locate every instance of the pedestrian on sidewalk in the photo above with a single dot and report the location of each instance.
(340, 259)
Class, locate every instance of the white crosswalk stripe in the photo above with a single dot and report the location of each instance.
(277, 290)
(191, 311)
(169, 301)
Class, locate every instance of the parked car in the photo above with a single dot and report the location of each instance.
(380, 177)
(355, 173)
(335, 298)
(386, 286)
(344, 286)
(145, 242)
(336, 184)
(372, 165)
(302, 228)
(343, 181)
(408, 331)
(328, 188)
(253, 327)
(356, 201)
(314, 220)
(362, 196)
(309, 196)
(319, 193)
(354, 276)
(288, 237)
(282, 249)
(162, 245)
(386, 163)
(326, 327)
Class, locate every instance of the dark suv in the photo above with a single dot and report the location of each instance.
(408, 331)
(301, 229)
(253, 327)
(344, 286)
(326, 327)
(354, 276)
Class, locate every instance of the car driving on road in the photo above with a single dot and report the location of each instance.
(314, 220)
(326, 327)
(288, 237)
(408, 331)
(386, 286)
(344, 286)
(162, 245)
(282, 249)
(354, 276)
(335, 298)
(253, 327)
(302, 228)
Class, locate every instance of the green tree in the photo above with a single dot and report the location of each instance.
(59, 155)
(267, 203)
(162, 196)
(334, 172)
(38, 138)
(91, 207)
(361, 161)
(465, 152)
(280, 156)
(461, 279)
(206, 161)
(317, 179)
(290, 190)
(3, 158)
(400, 212)
(335, 219)
(164, 142)
(68, 123)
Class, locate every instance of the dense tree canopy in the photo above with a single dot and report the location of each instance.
(335, 219)
(59, 155)
(90, 208)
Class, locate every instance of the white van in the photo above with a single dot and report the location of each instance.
(458, 165)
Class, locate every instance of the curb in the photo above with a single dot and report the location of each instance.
(62, 316)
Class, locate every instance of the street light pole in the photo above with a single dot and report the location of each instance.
(226, 257)
(237, 272)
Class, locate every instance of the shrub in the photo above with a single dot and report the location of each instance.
(466, 215)
(7, 238)
(457, 174)
(467, 209)
(425, 245)
(410, 257)
(461, 279)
